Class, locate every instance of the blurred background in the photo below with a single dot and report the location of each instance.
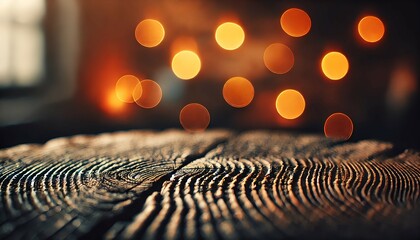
(60, 61)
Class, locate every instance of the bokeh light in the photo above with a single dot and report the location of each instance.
(238, 92)
(290, 104)
(371, 29)
(149, 33)
(295, 22)
(278, 58)
(229, 35)
(151, 96)
(338, 126)
(334, 65)
(137, 92)
(112, 106)
(186, 64)
(194, 117)
(124, 88)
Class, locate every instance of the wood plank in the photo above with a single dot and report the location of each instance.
(213, 185)
(67, 186)
(262, 185)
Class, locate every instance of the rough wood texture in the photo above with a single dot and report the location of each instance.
(68, 186)
(175, 185)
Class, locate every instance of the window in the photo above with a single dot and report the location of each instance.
(21, 43)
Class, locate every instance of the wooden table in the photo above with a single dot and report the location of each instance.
(213, 185)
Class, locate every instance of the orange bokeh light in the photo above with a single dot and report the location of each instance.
(334, 65)
(295, 22)
(186, 64)
(137, 92)
(112, 105)
(151, 96)
(371, 29)
(238, 92)
(290, 104)
(124, 88)
(338, 126)
(278, 58)
(229, 35)
(194, 117)
(149, 33)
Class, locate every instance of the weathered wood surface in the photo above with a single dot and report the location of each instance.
(213, 185)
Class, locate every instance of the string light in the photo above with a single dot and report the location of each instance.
(238, 92)
(295, 22)
(194, 117)
(151, 94)
(290, 104)
(149, 33)
(125, 86)
(229, 35)
(186, 64)
(278, 58)
(371, 29)
(338, 126)
(334, 65)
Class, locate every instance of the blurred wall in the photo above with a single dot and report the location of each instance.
(90, 45)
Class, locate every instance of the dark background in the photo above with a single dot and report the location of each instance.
(88, 45)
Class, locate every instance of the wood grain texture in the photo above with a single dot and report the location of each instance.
(213, 185)
(70, 185)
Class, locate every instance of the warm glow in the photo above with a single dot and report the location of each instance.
(194, 117)
(335, 65)
(338, 126)
(295, 22)
(125, 87)
(371, 29)
(238, 92)
(183, 43)
(149, 33)
(278, 58)
(186, 64)
(151, 96)
(229, 36)
(290, 104)
(112, 105)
